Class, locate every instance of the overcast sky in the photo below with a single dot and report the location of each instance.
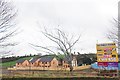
(91, 18)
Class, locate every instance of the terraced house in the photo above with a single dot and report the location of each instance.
(45, 62)
(48, 62)
(22, 63)
(38, 62)
(34, 62)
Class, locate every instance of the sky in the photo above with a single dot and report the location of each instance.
(90, 18)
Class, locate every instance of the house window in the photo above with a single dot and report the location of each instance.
(45, 62)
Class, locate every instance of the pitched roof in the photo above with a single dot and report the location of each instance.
(65, 59)
(46, 59)
(20, 61)
(32, 60)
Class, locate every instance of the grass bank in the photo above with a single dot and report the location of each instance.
(12, 63)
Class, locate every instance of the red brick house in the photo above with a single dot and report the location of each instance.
(51, 62)
(34, 62)
(46, 62)
(22, 63)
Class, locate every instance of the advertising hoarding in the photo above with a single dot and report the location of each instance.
(107, 55)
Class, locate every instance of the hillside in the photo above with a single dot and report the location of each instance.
(12, 63)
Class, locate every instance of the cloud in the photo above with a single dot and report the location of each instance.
(90, 17)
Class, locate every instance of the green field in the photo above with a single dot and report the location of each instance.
(12, 63)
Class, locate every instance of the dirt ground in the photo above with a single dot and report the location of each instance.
(46, 73)
(83, 72)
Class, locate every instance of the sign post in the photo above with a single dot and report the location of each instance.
(107, 56)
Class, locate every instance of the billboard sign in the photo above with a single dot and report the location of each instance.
(107, 55)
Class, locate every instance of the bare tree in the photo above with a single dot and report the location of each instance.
(113, 33)
(7, 24)
(64, 44)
